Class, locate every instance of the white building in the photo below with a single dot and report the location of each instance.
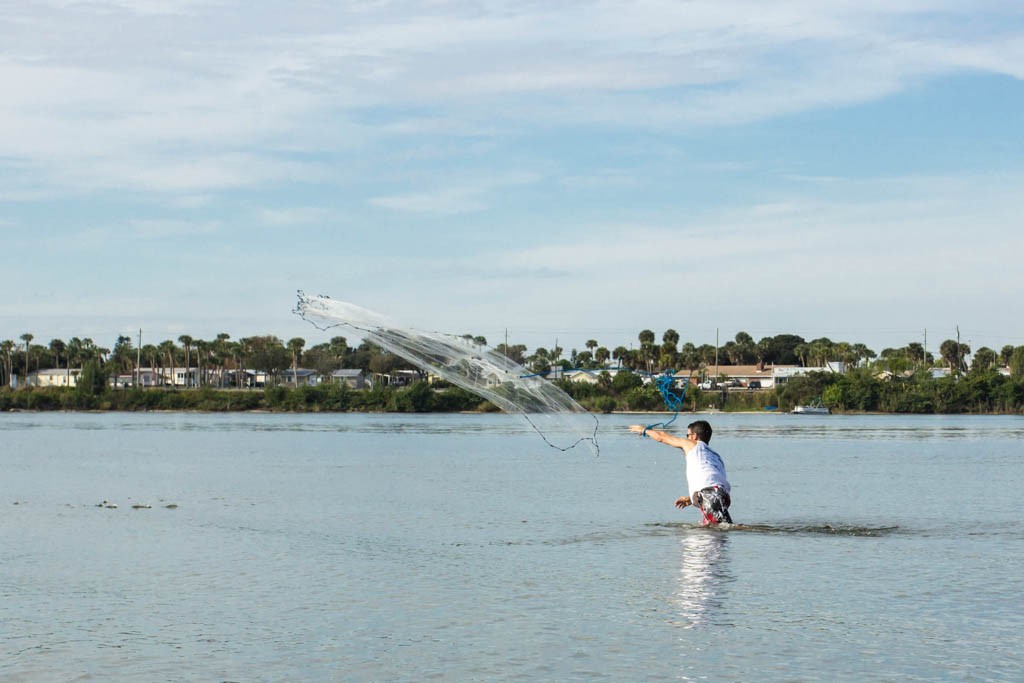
(145, 377)
(783, 374)
(54, 377)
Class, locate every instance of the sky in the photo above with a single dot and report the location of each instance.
(553, 172)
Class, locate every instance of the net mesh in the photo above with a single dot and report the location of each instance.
(557, 418)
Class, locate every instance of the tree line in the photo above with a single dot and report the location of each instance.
(270, 355)
(896, 379)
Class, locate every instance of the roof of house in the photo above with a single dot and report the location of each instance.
(751, 371)
(591, 375)
(55, 371)
(348, 372)
(793, 370)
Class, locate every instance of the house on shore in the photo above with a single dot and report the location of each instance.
(783, 374)
(396, 378)
(353, 377)
(737, 375)
(180, 377)
(591, 376)
(145, 377)
(301, 378)
(54, 377)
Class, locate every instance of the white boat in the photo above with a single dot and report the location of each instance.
(815, 408)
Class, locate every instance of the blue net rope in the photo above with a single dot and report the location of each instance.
(672, 402)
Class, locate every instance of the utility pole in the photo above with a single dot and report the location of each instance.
(716, 354)
(959, 356)
(138, 360)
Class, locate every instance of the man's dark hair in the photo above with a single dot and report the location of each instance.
(702, 429)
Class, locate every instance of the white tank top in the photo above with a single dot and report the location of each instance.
(705, 468)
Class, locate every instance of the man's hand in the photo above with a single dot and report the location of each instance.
(637, 429)
(683, 502)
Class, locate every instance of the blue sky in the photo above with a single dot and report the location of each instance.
(564, 171)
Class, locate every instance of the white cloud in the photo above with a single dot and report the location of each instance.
(291, 216)
(159, 229)
(603, 178)
(456, 196)
(445, 201)
(143, 96)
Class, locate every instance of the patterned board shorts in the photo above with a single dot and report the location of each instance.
(714, 502)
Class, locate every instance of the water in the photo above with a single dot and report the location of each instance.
(462, 548)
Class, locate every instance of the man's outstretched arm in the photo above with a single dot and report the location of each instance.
(664, 437)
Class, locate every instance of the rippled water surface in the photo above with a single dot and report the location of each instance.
(462, 548)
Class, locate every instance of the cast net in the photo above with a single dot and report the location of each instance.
(553, 414)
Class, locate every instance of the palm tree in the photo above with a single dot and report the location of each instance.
(862, 353)
(962, 352)
(1016, 363)
(220, 350)
(669, 353)
(167, 349)
(539, 361)
(27, 338)
(842, 352)
(821, 350)
(186, 341)
(984, 359)
(667, 359)
(801, 351)
(556, 352)
(338, 347)
(6, 348)
(89, 350)
(733, 352)
(950, 352)
(689, 357)
(73, 354)
(246, 350)
(295, 345)
(57, 348)
(671, 337)
(233, 351)
(152, 354)
(202, 354)
(1005, 354)
(122, 357)
(762, 350)
(746, 348)
(646, 338)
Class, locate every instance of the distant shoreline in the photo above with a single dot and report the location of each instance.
(269, 411)
(843, 394)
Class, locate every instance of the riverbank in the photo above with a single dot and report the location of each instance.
(931, 398)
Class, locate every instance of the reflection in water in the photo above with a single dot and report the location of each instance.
(703, 572)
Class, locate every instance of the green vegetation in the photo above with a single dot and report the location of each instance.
(419, 397)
